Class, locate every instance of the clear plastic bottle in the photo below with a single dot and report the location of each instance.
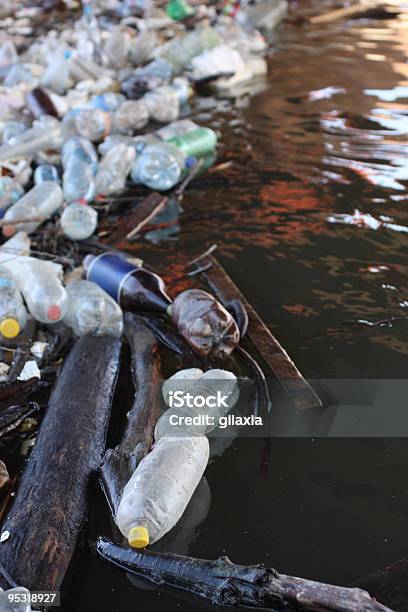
(220, 387)
(56, 75)
(109, 101)
(114, 169)
(92, 311)
(40, 203)
(10, 192)
(46, 133)
(159, 167)
(8, 56)
(117, 47)
(42, 290)
(176, 129)
(19, 73)
(80, 165)
(93, 123)
(181, 49)
(11, 131)
(46, 172)
(159, 490)
(163, 104)
(79, 221)
(131, 116)
(13, 314)
(20, 596)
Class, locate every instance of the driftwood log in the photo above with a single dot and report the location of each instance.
(274, 355)
(120, 463)
(51, 501)
(226, 584)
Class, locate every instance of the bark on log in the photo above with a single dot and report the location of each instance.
(51, 501)
(120, 463)
(226, 584)
(299, 390)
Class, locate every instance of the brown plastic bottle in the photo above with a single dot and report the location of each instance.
(39, 103)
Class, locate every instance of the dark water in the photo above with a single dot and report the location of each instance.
(326, 135)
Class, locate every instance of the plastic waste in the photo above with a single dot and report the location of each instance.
(18, 245)
(93, 124)
(46, 172)
(163, 104)
(114, 169)
(146, 78)
(79, 221)
(13, 315)
(178, 9)
(11, 130)
(181, 50)
(176, 128)
(159, 490)
(216, 391)
(42, 290)
(117, 47)
(79, 160)
(46, 133)
(56, 75)
(38, 204)
(19, 73)
(182, 380)
(131, 116)
(8, 56)
(159, 167)
(92, 311)
(134, 288)
(10, 192)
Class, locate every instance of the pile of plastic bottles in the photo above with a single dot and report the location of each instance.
(89, 108)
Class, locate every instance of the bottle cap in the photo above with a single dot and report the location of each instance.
(9, 328)
(9, 230)
(138, 537)
(54, 312)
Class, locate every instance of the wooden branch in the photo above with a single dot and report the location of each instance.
(348, 11)
(130, 226)
(51, 501)
(225, 584)
(299, 390)
(119, 463)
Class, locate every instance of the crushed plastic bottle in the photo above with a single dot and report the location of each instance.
(163, 104)
(13, 314)
(39, 204)
(131, 116)
(42, 290)
(79, 221)
(93, 123)
(92, 311)
(46, 133)
(159, 490)
(46, 172)
(56, 76)
(10, 192)
(114, 169)
(79, 160)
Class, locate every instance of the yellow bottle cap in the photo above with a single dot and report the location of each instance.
(9, 328)
(138, 537)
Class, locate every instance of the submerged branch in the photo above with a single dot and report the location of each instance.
(225, 584)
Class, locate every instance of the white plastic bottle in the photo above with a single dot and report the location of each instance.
(157, 494)
(42, 290)
(79, 221)
(92, 311)
(13, 314)
(218, 387)
(38, 204)
(114, 169)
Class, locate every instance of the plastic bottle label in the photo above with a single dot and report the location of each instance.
(109, 272)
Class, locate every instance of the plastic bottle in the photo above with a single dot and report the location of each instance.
(46, 133)
(114, 169)
(93, 123)
(10, 192)
(39, 103)
(178, 9)
(20, 594)
(147, 78)
(46, 172)
(117, 47)
(196, 143)
(8, 56)
(92, 311)
(159, 490)
(39, 203)
(131, 116)
(134, 288)
(163, 104)
(13, 315)
(80, 165)
(79, 221)
(181, 49)
(206, 386)
(11, 131)
(109, 101)
(159, 167)
(42, 290)
(56, 75)
(19, 73)
(177, 128)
